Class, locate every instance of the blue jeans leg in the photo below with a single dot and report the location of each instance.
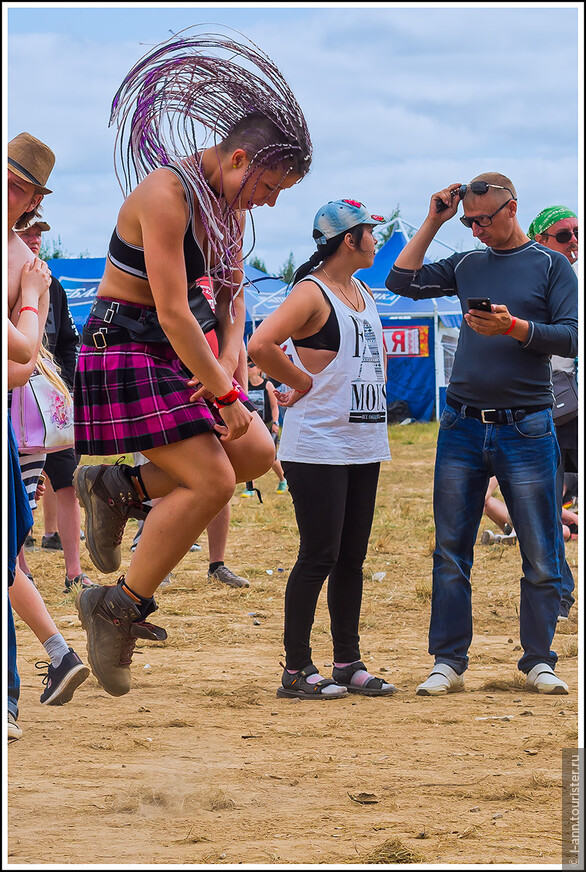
(461, 479)
(13, 676)
(524, 456)
(525, 461)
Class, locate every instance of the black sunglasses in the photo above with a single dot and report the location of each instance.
(484, 220)
(564, 235)
(480, 188)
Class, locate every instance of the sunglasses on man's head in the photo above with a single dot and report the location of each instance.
(484, 220)
(479, 188)
(564, 235)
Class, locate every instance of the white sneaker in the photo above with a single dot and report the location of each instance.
(442, 679)
(13, 732)
(544, 680)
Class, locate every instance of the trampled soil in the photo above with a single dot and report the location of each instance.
(201, 764)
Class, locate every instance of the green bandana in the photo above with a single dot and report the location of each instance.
(547, 217)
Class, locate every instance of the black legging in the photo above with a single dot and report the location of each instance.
(334, 507)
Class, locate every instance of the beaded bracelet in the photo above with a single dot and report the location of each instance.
(513, 322)
(29, 309)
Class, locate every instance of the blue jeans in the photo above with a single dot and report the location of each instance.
(13, 677)
(524, 455)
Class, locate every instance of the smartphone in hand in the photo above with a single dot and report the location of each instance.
(481, 303)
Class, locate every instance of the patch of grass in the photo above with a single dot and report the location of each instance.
(422, 592)
(512, 684)
(391, 851)
(568, 649)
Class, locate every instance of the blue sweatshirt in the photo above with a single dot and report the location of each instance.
(535, 284)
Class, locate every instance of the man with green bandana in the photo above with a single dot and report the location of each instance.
(557, 228)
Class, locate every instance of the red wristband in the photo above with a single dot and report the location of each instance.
(513, 322)
(29, 309)
(302, 393)
(228, 398)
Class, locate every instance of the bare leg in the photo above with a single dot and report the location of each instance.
(68, 525)
(251, 456)
(22, 562)
(569, 517)
(49, 504)
(217, 531)
(494, 508)
(29, 605)
(204, 482)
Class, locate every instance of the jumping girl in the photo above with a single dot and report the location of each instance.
(143, 345)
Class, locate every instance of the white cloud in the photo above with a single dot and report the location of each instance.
(399, 101)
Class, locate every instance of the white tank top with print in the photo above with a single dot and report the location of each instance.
(343, 418)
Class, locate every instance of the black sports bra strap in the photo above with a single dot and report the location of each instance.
(188, 192)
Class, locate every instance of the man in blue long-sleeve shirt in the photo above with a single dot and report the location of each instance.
(497, 419)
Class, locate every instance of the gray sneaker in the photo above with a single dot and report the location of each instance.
(225, 575)
(113, 623)
(490, 538)
(109, 498)
(13, 731)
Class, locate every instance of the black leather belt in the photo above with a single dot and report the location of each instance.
(140, 324)
(495, 416)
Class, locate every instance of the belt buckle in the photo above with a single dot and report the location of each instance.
(484, 412)
(111, 312)
(101, 334)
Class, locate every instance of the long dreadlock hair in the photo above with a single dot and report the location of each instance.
(232, 90)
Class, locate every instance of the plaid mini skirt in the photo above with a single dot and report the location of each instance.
(134, 396)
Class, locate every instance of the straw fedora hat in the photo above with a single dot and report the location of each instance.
(36, 222)
(31, 160)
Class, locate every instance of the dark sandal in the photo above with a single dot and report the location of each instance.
(296, 685)
(373, 687)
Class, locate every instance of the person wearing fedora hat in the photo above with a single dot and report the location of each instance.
(333, 441)
(29, 165)
(30, 162)
(61, 510)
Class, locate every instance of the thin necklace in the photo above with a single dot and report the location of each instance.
(354, 305)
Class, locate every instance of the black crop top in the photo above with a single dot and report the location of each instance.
(327, 337)
(130, 258)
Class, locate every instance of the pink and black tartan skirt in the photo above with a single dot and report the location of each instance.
(135, 396)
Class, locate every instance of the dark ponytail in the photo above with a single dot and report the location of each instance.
(326, 250)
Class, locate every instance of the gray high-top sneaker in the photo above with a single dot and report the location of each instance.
(109, 498)
(113, 622)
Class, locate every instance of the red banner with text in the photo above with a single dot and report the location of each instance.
(407, 341)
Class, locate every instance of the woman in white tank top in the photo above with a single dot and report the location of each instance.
(334, 438)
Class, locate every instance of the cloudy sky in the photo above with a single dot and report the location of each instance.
(400, 100)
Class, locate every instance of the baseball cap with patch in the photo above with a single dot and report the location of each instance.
(337, 216)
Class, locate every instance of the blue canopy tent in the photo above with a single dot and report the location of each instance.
(80, 278)
(420, 335)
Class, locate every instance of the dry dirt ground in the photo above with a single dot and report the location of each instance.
(201, 764)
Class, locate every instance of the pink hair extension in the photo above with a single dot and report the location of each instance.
(198, 84)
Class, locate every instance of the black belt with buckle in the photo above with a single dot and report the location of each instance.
(140, 324)
(495, 416)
